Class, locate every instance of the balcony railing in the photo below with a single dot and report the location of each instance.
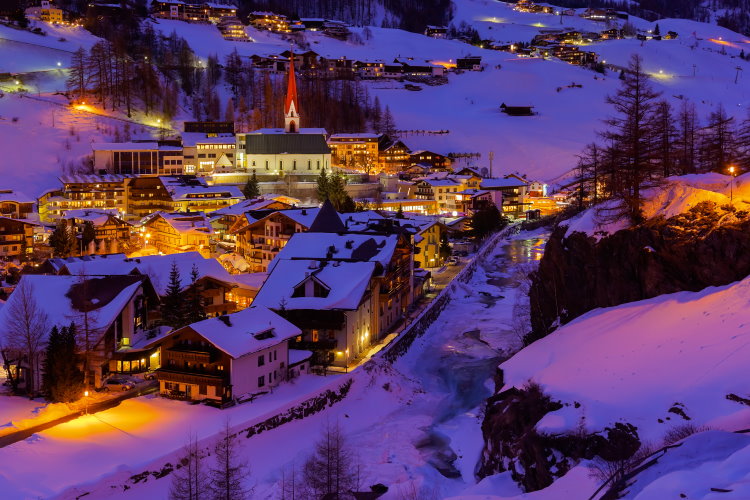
(193, 355)
(326, 345)
(170, 374)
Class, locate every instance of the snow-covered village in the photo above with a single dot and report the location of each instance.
(374, 249)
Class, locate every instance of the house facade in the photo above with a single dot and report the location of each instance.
(16, 238)
(179, 232)
(231, 357)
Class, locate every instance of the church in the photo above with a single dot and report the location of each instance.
(291, 151)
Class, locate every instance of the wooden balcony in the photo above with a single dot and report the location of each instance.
(188, 377)
(181, 354)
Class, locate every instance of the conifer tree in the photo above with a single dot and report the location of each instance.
(323, 185)
(62, 379)
(194, 299)
(172, 306)
(89, 233)
(251, 189)
(62, 240)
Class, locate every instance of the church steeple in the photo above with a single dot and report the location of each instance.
(291, 108)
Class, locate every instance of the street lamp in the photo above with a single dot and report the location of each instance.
(86, 408)
(731, 185)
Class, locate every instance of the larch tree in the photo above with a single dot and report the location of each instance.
(331, 471)
(26, 330)
(190, 480)
(718, 148)
(229, 473)
(664, 140)
(686, 142)
(632, 132)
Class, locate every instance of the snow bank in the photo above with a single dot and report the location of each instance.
(647, 362)
(678, 195)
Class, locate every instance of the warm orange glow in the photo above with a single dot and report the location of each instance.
(447, 65)
(723, 42)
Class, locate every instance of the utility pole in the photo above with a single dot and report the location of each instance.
(492, 157)
(737, 74)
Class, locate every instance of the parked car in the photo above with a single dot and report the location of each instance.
(116, 384)
(453, 261)
(149, 376)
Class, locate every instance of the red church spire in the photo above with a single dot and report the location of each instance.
(291, 107)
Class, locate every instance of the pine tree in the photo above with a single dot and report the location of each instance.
(88, 234)
(194, 299)
(251, 189)
(389, 125)
(172, 306)
(62, 240)
(657, 30)
(62, 379)
(229, 111)
(400, 212)
(337, 191)
(229, 473)
(323, 185)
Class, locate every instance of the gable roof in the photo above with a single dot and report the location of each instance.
(64, 299)
(327, 220)
(235, 333)
(343, 247)
(292, 143)
(156, 267)
(347, 283)
(185, 222)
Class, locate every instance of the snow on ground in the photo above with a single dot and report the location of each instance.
(677, 195)
(128, 436)
(35, 151)
(645, 362)
(13, 408)
(400, 418)
(710, 459)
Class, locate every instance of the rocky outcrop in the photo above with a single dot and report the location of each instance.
(707, 246)
(534, 459)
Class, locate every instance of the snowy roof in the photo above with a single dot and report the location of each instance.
(247, 331)
(190, 139)
(301, 131)
(297, 356)
(441, 182)
(132, 146)
(502, 183)
(291, 143)
(97, 217)
(92, 179)
(302, 216)
(353, 136)
(156, 267)
(347, 247)
(186, 222)
(64, 299)
(246, 206)
(346, 282)
(179, 191)
(17, 196)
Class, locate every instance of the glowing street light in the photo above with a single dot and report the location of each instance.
(86, 408)
(731, 185)
(59, 64)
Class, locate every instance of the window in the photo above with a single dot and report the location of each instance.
(275, 355)
(317, 164)
(281, 164)
(309, 164)
(261, 360)
(294, 164)
(202, 389)
(315, 335)
(266, 164)
(261, 381)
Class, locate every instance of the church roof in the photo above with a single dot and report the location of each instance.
(291, 90)
(271, 144)
(328, 220)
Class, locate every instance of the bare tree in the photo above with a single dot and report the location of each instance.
(331, 472)
(190, 480)
(230, 472)
(26, 328)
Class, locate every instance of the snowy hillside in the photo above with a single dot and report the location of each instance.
(656, 364)
(543, 146)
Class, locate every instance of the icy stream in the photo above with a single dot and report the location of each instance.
(457, 366)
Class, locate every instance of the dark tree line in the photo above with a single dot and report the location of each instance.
(647, 140)
(182, 305)
(334, 103)
(411, 15)
(143, 72)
